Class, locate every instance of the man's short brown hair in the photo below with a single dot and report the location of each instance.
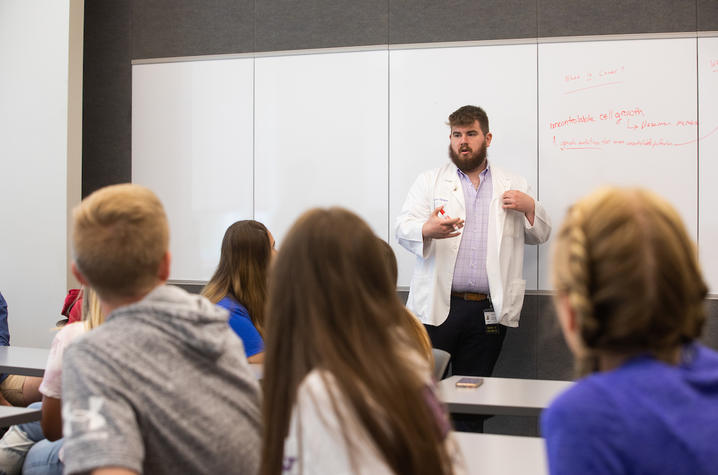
(120, 236)
(466, 115)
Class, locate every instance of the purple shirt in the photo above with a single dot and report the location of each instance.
(470, 269)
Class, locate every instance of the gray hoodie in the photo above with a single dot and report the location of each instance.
(162, 386)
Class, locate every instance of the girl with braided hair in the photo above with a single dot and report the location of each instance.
(630, 304)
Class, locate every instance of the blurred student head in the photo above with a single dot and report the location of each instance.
(419, 333)
(247, 248)
(627, 278)
(333, 306)
(120, 242)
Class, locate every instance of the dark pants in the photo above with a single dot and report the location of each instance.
(474, 348)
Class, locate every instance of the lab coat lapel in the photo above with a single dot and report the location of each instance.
(457, 192)
(500, 185)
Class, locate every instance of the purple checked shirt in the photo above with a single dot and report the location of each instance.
(470, 269)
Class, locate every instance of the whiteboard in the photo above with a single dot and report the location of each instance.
(426, 85)
(321, 137)
(270, 137)
(708, 163)
(617, 112)
(192, 132)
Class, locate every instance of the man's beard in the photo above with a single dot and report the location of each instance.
(466, 165)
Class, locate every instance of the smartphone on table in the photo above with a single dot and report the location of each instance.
(468, 382)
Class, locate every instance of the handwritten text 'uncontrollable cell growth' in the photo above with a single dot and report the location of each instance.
(624, 127)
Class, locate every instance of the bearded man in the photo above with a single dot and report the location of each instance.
(467, 223)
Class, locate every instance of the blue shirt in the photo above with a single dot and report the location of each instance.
(242, 325)
(4, 331)
(645, 417)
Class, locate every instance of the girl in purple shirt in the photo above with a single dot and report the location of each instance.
(630, 304)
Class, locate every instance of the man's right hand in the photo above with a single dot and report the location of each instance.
(438, 227)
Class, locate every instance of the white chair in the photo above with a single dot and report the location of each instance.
(441, 361)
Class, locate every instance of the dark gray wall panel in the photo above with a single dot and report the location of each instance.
(591, 17)
(191, 288)
(512, 425)
(518, 360)
(518, 356)
(290, 24)
(710, 331)
(707, 15)
(425, 21)
(553, 358)
(169, 28)
(106, 95)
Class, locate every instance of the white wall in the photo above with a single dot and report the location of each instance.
(34, 170)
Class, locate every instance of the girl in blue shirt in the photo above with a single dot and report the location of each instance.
(240, 282)
(630, 301)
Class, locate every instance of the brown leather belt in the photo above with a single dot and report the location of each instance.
(470, 296)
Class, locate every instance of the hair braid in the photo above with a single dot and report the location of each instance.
(629, 271)
(577, 285)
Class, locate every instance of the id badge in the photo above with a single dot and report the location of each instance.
(490, 317)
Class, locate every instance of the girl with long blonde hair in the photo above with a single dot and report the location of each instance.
(35, 448)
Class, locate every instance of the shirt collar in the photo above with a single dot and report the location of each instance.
(484, 172)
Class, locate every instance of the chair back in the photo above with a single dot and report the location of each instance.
(441, 362)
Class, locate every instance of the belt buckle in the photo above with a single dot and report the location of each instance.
(471, 296)
(476, 297)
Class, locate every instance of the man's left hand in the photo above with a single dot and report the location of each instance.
(519, 201)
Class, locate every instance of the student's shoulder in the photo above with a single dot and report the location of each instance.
(318, 391)
(583, 433)
(316, 384)
(80, 346)
(70, 331)
(589, 397)
(700, 363)
(233, 307)
(93, 344)
(703, 355)
(68, 334)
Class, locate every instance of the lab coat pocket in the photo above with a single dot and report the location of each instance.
(419, 296)
(514, 300)
(513, 226)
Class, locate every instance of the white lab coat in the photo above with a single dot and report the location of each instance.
(430, 292)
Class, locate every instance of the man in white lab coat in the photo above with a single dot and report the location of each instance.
(467, 222)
